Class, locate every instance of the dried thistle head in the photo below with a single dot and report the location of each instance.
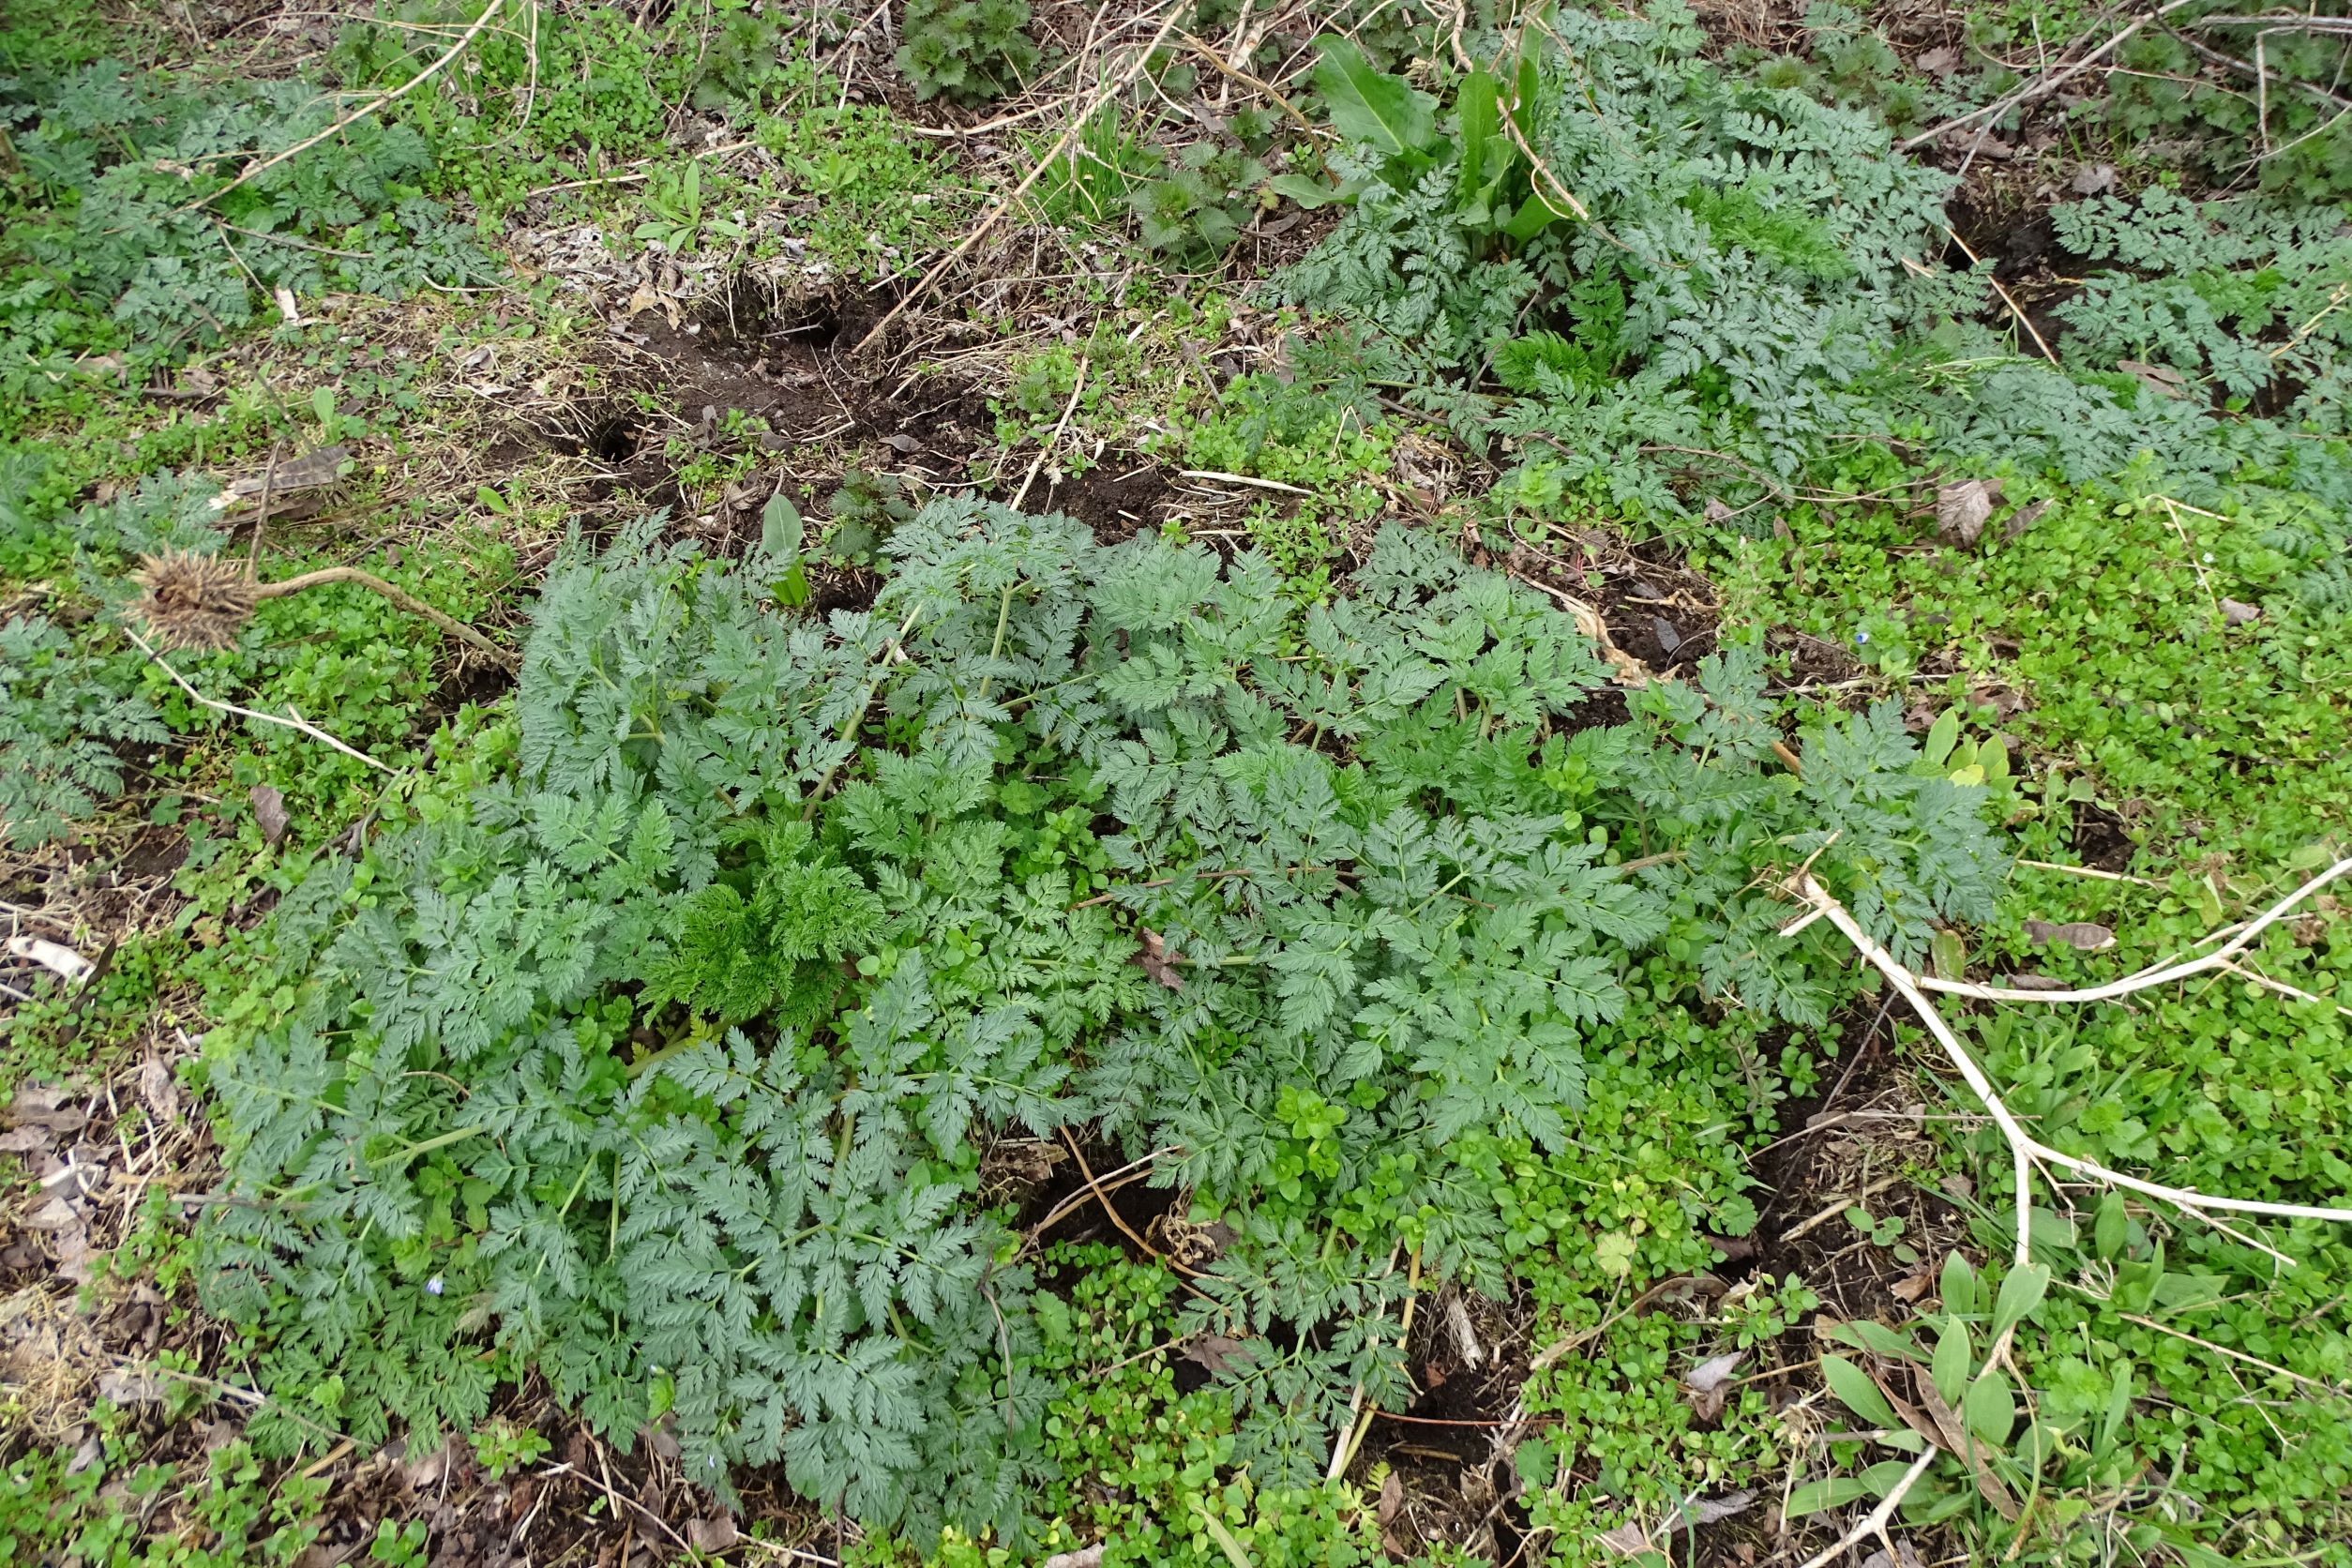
(194, 601)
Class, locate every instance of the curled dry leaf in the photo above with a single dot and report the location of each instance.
(2092, 179)
(1632, 1540)
(1940, 1425)
(269, 813)
(713, 1534)
(131, 1385)
(1085, 1557)
(1216, 1352)
(1961, 509)
(1465, 1337)
(2024, 517)
(1905, 1557)
(34, 1102)
(56, 1214)
(2237, 612)
(2163, 382)
(307, 472)
(1159, 960)
(1708, 1511)
(157, 1088)
(1628, 1539)
(2086, 936)
(430, 1469)
(1708, 1384)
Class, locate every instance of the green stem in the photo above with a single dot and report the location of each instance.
(577, 1182)
(849, 731)
(401, 1157)
(639, 1067)
(1003, 611)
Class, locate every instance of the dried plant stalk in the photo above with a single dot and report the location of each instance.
(201, 601)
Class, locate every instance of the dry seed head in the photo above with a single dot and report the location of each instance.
(194, 601)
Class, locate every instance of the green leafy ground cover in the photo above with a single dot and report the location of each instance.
(636, 1059)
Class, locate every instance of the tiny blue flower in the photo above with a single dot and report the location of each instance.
(1862, 636)
(432, 1286)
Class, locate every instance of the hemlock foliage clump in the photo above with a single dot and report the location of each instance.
(148, 215)
(58, 713)
(1718, 278)
(659, 1047)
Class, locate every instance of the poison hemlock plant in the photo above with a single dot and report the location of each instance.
(1722, 278)
(133, 236)
(58, 713)
(660, 1056)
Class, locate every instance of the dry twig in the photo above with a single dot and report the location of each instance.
(2025, 1150)
(2040, 87)
(297, 722)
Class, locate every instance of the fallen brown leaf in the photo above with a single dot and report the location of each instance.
(1961, 509)
(1707, 1386)
(269, 813)
(1159, 960)
(161, 1094)
(1216, 1352)
(2158, 379)
(1955, 1440)
(1628, 1539)
(131, 1385)
(715, 1534)
(2086, 936)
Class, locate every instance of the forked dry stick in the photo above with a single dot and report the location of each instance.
(2161, 975)
(2040, 87)
(203, 601)
(2024, 1148)
(295, 722)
